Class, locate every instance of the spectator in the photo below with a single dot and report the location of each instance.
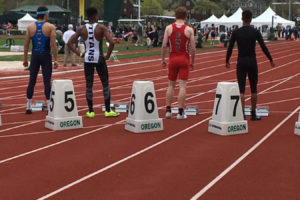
(67, 35)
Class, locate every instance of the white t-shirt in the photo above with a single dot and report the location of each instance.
(67, 35)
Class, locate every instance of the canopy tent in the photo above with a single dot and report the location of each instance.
(234, 19)
(266, 19)
(224, 17)
(208, 22)
(24, 22)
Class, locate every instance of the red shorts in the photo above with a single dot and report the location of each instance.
(179, 66)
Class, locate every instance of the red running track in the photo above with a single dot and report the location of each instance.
(103, 161)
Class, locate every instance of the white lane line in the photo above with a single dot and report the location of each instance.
(121, 161)
(57, 143)
(122, 64)
(20, 126)
(240, 159)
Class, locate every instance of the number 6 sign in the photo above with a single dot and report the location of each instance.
(143, 112)
(227, 116)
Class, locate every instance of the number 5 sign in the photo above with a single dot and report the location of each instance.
(143, 112)
(227, 116)
(63, 113)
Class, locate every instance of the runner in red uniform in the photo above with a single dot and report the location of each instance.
(180, 38)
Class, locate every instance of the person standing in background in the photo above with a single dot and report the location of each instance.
(67, 35)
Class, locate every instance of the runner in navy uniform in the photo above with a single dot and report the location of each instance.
(93, 34)
(246, 38)
(42, 35)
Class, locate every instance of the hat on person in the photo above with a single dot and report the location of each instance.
(70, 26)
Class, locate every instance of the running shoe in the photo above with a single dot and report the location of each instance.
(183, 116)
(90, 114)
(254, 117)
(168, 115)
(28, 111)
(111, 114)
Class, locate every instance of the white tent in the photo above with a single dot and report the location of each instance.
(224, 17)
(24, 22)
(208, 22)
(266, 19)
(234, 19)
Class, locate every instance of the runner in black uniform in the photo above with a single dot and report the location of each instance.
(246, 37)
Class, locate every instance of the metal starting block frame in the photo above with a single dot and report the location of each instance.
(189, 110)
(262, 111)
(122, 107)
(38, 106)
(118, 107)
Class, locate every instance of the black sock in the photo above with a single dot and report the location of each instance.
(107, 105)
(180, 111)
(168, 109)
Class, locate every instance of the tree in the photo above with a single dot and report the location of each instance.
(207, 7)
(165, 4)
(2, 6)
(99, 4)
(151, 7)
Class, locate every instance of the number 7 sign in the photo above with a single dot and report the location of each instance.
(228, 118)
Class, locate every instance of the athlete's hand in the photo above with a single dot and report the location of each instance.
(25, 63)
(192, 66)
(55, 64)
(106, 57)
(163, 63)
(227, 65)
(272, 64)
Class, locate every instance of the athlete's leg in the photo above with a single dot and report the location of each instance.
(89, 78)
(182, 93)
(170, 93)
(46, 62)
(253, 79)
(34, 70)
(103, 74)
(241, 77)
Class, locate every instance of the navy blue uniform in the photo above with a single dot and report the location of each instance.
(41, 56)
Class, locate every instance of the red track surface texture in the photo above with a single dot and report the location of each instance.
(103, 161)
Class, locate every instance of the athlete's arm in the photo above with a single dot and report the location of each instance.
(164, 46)
(193, 46)
(261, 42)
(26, 47)
(72, 40)
(53, 44)
(109, 39)
(229, 50)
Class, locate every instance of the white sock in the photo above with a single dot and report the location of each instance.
(48, 105)
(29, 102)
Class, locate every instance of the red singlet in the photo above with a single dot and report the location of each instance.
(179, 64)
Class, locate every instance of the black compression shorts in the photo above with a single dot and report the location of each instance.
(247, 66)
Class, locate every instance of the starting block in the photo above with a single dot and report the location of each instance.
(143, 112)
(227, 116)
(297, 126)
(38, 106)
(263, 111)
(122, 107)
(118, 107)
(189, 110)
(112, 105)
(63, 113)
